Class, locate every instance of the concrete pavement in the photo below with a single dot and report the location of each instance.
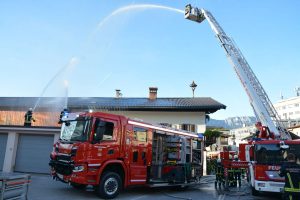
(43, 187)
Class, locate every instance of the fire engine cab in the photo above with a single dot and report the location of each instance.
(111, 152)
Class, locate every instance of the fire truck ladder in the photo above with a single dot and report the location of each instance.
(259, 100)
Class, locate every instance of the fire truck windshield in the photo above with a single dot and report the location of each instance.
(271, 154)
(268, 154)
(75, 130)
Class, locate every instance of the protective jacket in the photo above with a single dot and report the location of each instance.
(291, 172)
(219, 174)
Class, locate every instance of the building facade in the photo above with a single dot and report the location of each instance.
(288, 109)
(238, 135)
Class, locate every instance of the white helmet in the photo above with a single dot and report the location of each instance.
(219, 160)
(30, 109)
(235, 156)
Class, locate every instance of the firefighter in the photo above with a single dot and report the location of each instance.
(291, 171)
(63, 113)
(28, 118)
(263, 132)
(237, 173)
(219, 174)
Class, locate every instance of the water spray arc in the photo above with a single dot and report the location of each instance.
(73, 62)
(135, 7)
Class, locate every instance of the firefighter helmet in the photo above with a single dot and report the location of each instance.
(235, 156)
(258, 124)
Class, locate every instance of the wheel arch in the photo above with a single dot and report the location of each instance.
(116, 166)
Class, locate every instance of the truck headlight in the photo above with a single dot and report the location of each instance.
(273, 175)
(79, 168)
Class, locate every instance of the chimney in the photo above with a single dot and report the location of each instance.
(118, 93)
(153, 93)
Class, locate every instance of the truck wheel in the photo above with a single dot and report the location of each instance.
(109, 186)
(254, 191)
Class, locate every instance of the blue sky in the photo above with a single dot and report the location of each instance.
(146, 47)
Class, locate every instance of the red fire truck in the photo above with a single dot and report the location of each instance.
(261, 160)
(264, 155)
(111, 152)
(265, 158)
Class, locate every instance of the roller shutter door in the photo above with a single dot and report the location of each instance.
(3, 141)
(33, 153)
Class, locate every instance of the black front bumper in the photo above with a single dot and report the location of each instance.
(61, 167)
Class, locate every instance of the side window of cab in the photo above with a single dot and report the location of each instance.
(140, 134)
(103, 130)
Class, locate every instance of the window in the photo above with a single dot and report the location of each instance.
(268, 154)
(223, 141)
(75, 130)
(284, 115)
(166, 124)
(104, 128)
(135, 156)
(140, 134)
(188, 127)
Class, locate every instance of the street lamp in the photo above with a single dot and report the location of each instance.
(193, 86)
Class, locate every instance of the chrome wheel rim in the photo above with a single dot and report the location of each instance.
(111, 186)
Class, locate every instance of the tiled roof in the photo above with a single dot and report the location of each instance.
(204, 104)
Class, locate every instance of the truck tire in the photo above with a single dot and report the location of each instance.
(254, 191)
(110, 185)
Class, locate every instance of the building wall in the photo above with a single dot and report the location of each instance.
(16, 118)
(239, 134)
(174, 118)
(288, 108)
(295, 130)
(13, 141)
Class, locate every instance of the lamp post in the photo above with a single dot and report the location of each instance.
(193, 85)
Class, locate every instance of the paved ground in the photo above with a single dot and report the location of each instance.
(43, 187)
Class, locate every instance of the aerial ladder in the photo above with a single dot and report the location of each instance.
(259, 100)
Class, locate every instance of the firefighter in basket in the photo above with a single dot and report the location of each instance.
(219, 174)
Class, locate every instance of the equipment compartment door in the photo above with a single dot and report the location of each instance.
(139, 155)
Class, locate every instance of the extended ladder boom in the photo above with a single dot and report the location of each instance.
(259, 100)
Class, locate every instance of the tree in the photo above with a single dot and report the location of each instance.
(209, 133)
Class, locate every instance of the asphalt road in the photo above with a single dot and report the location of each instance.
(43, 187)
